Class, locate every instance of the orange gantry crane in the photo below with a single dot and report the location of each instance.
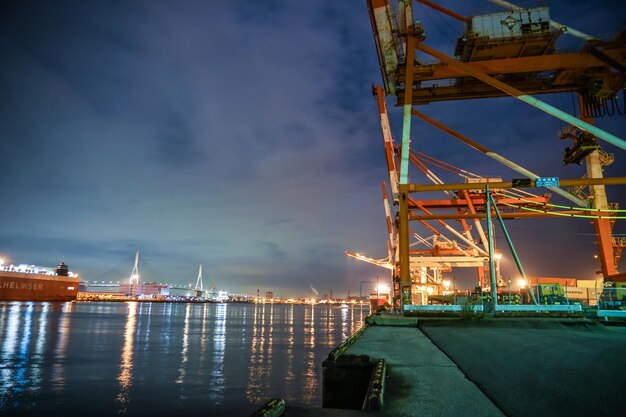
(442, 253)
(511, 53)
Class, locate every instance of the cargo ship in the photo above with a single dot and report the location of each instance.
(34, 283)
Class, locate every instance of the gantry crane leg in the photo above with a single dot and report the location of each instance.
(405, 273)
(600, 201)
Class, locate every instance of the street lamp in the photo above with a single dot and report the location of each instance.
(509, 290)
(361, 292)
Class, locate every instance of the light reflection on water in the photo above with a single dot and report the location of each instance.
(8, 350)
(216, 393)
(137, 359)
(290, 375)
(60, 354)
(39, 349)
(310, 375)
(185, 348)
(125, 376)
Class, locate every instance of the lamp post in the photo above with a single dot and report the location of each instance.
(361, 291)
(384, 288)
(454, 289)
(509, 290)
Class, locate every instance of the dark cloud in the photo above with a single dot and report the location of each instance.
(176, 144)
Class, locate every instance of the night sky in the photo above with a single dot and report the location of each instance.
(243, 135)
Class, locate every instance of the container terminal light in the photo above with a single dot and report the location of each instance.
(521, 282)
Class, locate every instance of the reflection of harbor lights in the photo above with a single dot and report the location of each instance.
(521, 282)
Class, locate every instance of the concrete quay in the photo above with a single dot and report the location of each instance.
(422, 380)
(539, 367)
(512, 367)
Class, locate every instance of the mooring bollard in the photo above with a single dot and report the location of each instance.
(273, 408)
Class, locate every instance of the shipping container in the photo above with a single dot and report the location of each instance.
(564, 282)
(590, 283)
(512, 24)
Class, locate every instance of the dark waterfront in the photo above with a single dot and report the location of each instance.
(103, 359)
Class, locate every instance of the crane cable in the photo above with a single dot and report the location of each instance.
(565, 207)
(443, 165)
(553, 213)
(425, 159)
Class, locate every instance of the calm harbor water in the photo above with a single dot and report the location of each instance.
(153, 359)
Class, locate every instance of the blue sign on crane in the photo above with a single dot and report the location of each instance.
(547, 182)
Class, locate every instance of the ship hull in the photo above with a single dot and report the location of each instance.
(17, 286)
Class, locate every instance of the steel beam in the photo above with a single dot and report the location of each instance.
(416, 188)
(406, 121)
(443, 10)
(602, 226)
(460, 203)
(403, 239)
(526, 64)
(516, 215)
(497, 157)
(511, 246)
(425, 95)
(492, 266)
(520, 95)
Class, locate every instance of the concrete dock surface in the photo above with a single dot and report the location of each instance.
(323, 412)
(422, 381)
(495, 367)
(540, 367)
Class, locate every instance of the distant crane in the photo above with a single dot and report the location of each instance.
(134, 276)
(199, 285)
(199, 288)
